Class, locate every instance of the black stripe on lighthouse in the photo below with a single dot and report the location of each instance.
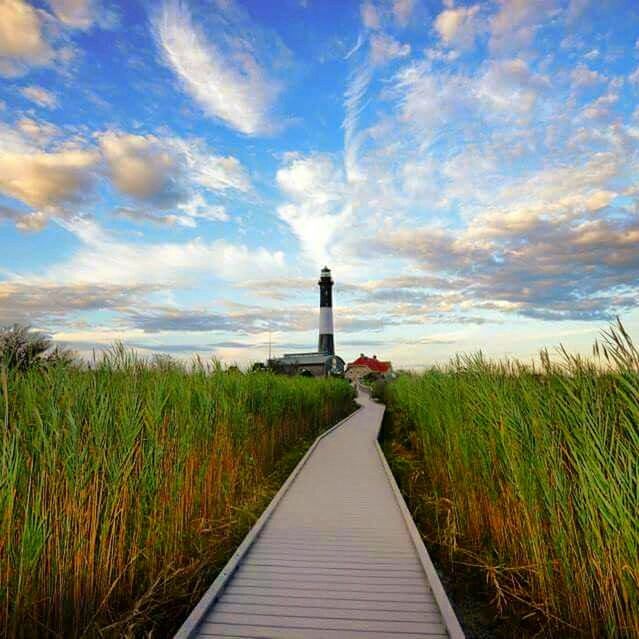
(326, 342)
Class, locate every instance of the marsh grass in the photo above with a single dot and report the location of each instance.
(531, 476)
(123, 486)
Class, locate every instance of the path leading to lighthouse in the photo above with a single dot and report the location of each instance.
(336, 555)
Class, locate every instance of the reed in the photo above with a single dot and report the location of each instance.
(120, 482)
(531, 475)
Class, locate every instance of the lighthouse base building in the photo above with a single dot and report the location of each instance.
(323, 362)
(308, 365)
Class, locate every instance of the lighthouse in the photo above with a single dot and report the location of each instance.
(320, 363)
(326, 342)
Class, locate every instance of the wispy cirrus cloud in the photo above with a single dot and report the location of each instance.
(40, 96)
(224, 72)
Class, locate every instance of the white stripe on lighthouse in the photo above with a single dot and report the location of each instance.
(326, 320)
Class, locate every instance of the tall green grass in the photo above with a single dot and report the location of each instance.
(532, 476)
(118, 481)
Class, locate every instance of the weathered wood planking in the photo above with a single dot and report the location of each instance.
(336, 555)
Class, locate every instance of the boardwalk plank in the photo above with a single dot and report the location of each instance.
(329, 612)
(361, 595)
(251, 619)
(277, 632)
(331, 603)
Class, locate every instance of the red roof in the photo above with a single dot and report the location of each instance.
(374, 364)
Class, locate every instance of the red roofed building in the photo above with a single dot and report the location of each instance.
(363, 366)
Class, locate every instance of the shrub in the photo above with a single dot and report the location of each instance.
(21, 347)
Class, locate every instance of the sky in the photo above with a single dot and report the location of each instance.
(174, 174)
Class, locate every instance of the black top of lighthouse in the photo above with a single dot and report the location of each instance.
(326, 284)
(325, 277)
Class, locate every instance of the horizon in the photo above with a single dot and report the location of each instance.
(173, 175)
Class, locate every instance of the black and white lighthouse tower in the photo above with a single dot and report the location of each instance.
(326, 342)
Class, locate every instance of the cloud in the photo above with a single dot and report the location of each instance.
(458, 27)
(584, 77)
(190, 211)
(82, 14)
(164, 173)
(281, 288)
(40, 96)
(356, 89)
(106, 273)
(198, 207)
(384, 48)
(316, 187)
(499, 185)
(9, 213)
(494, 160)
(170, 173)
(138, 318)
(600, 109)
(231, 317)
(22, 40)
(47, 179)
(514, 26)
(402, 11)
(370, 15)
(33, 302)
(577, 264)
(223, 75)
(154, 321)
(214, 172)
(556, 193)
(148, 167)
(520, 198)
(510, 85)
(201, 348)
(32, 37)
(38, 131)
(375, 14)
(428, 101)
(142, 167)
(102, 258)
(144, 215)
(75, 13)
(435, 104)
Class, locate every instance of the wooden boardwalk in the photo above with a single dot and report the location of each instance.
(335, 556)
